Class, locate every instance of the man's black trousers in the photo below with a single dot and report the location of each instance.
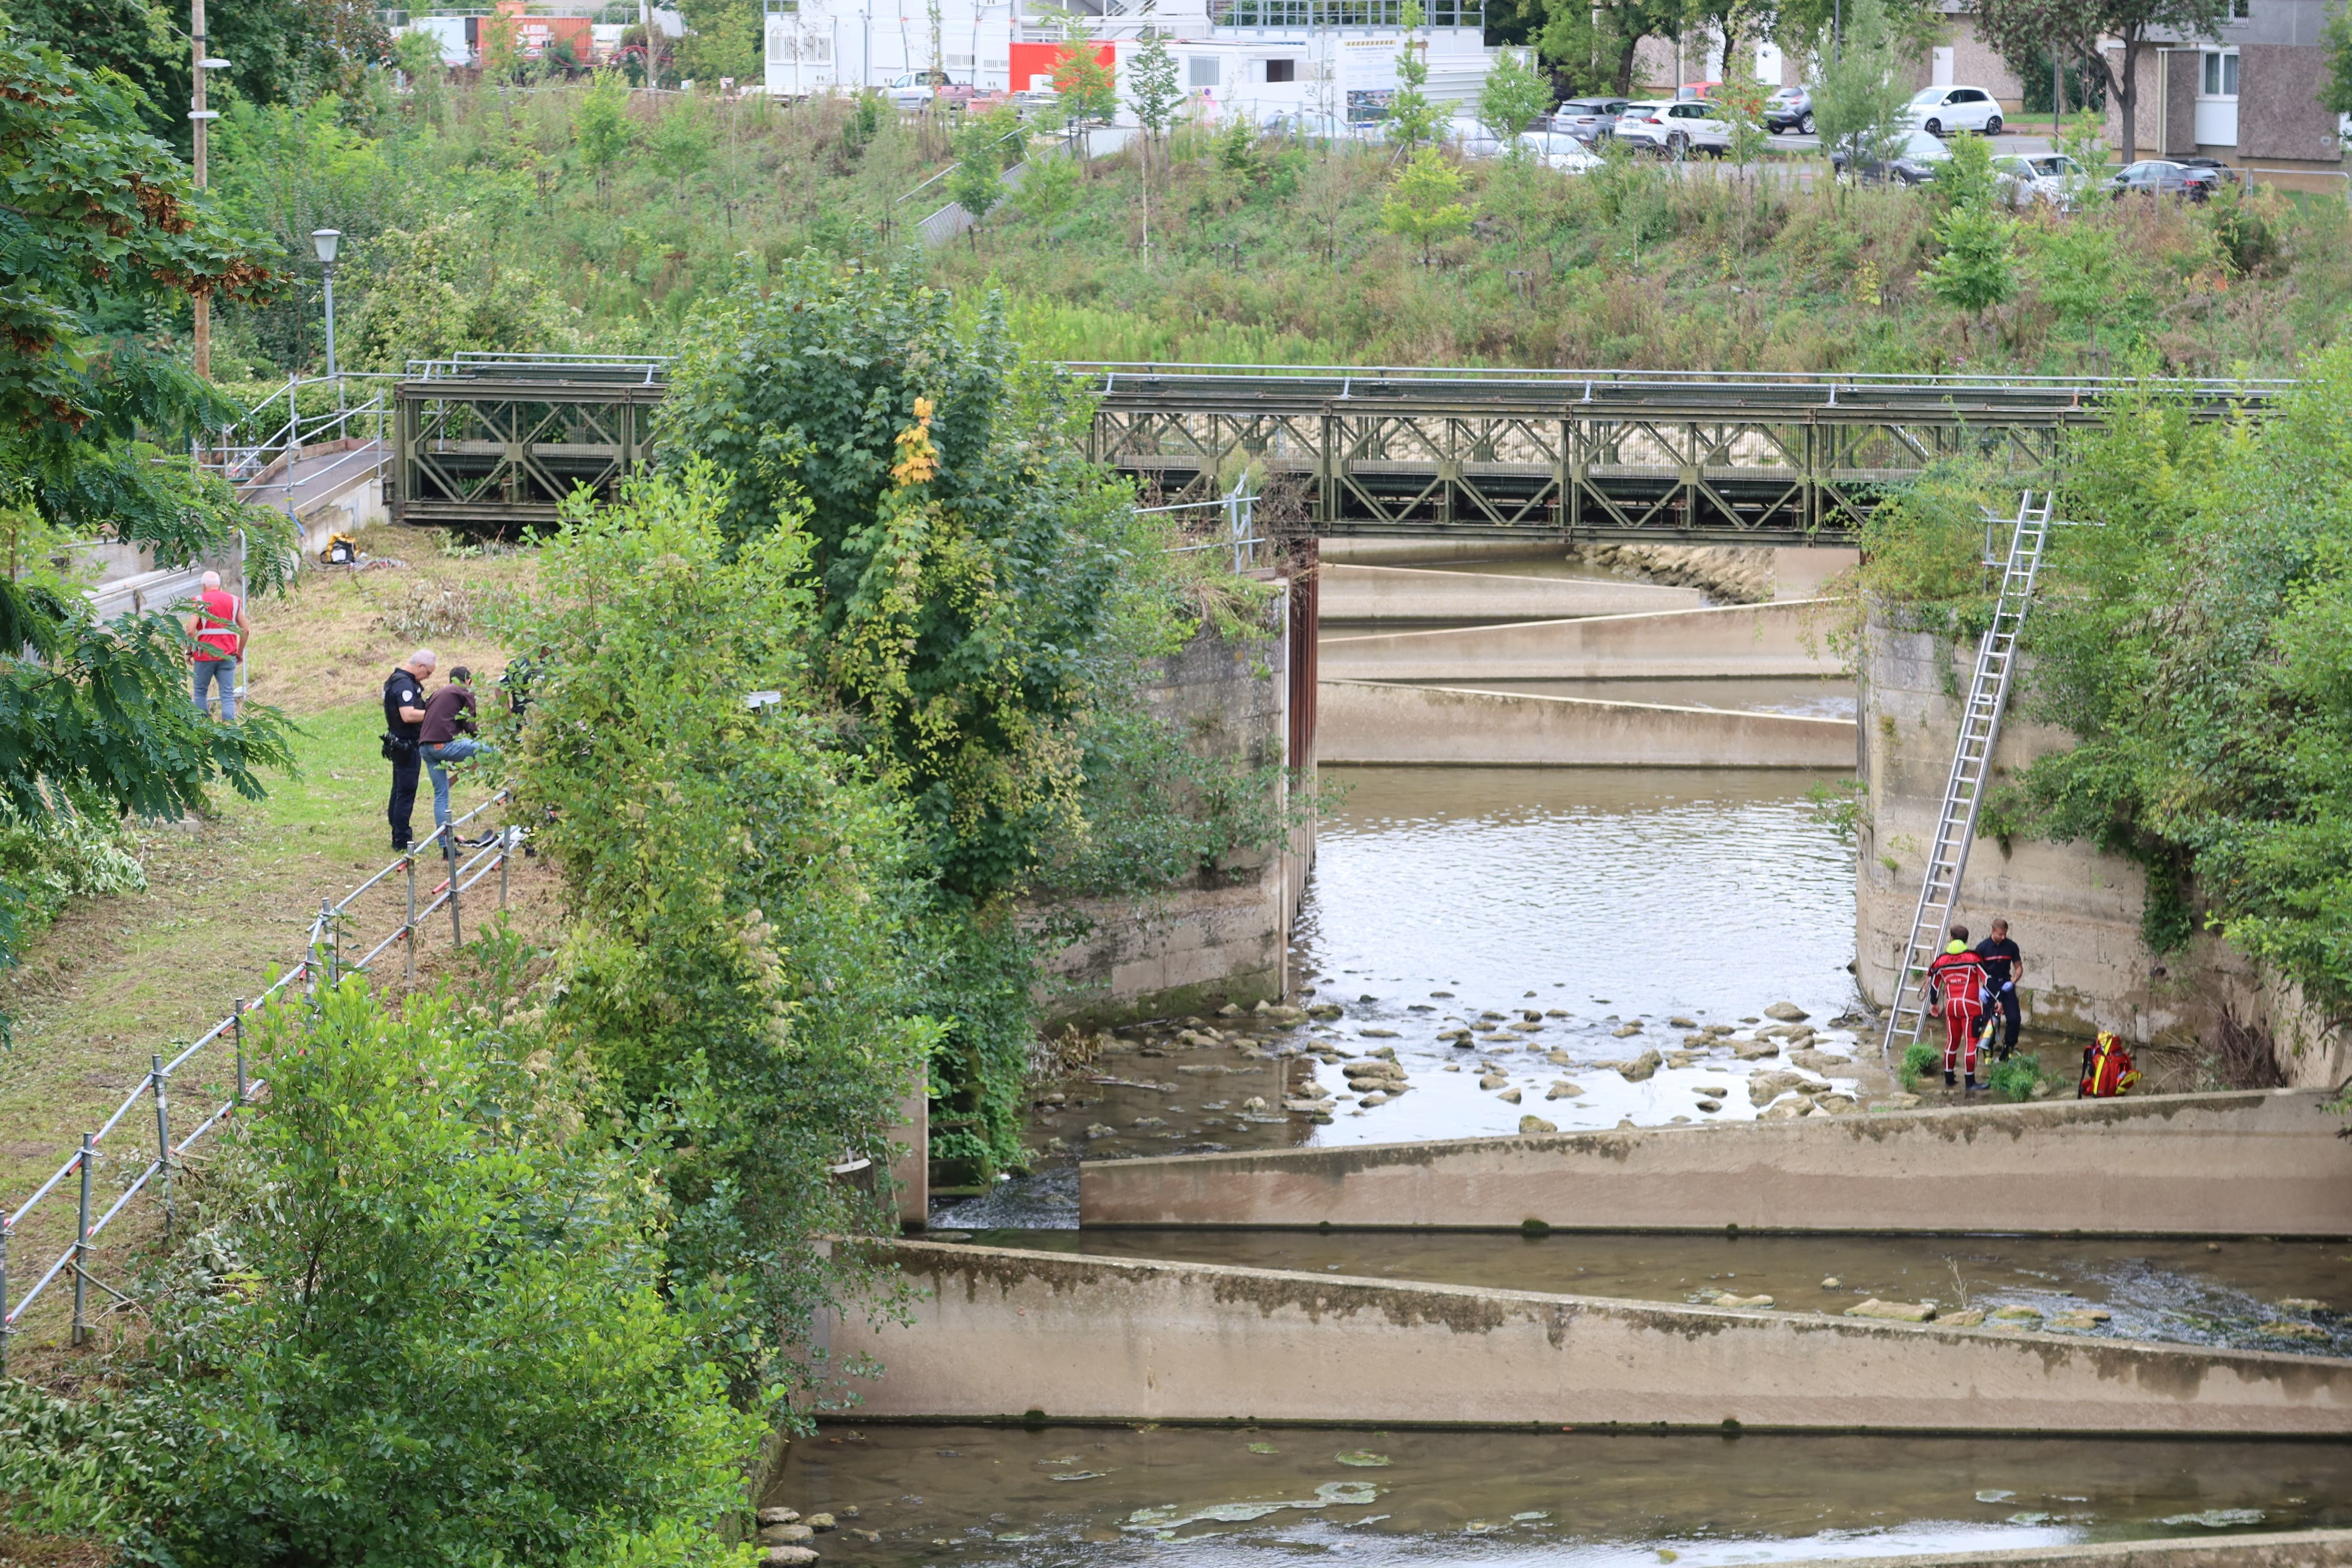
(403, 799)
(2009, 1019)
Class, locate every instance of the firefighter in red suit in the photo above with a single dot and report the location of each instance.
(1956, 987)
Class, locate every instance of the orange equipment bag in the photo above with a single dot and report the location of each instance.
(2107, 1069)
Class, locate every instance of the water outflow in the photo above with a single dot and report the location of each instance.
(1090, 1496)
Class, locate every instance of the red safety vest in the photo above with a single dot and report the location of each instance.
(216, 634)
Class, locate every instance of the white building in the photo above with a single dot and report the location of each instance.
(1255, 57)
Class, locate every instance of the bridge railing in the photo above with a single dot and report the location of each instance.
(1113, 370)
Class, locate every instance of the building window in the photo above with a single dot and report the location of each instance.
(2240, 9)
(2220, 73)
(1199, 70)
(1282, 71)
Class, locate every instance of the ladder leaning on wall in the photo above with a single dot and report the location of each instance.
(1956, 821)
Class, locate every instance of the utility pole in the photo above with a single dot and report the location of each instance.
(200, 118)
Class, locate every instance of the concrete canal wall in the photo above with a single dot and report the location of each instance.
(1372, 723)
(2073, 907)
(1406, 594)
(1726, 640)
(998, 1333)
(2263, 1163)
(2283, 1548)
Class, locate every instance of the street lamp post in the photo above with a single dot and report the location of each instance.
(325, 240)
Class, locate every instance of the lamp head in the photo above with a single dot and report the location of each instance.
(324, 241)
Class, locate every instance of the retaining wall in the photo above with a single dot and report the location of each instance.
(999, 1333)
(1221, 935)
(2264, 1162)
(1370, 723)
(1726, 640)
(1404, 594)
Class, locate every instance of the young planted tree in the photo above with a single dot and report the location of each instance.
(1153, 95)
(977, 183)
(1515, 95)
(1594, 45)
(2026, 31)
(1424, 204)
(1978, 267)
(1413, 119)
(681, 142)
(1858, 107)
(599, 126)
(1084, 84)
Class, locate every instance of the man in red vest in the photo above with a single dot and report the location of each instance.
(218, 629)
(1956, 986)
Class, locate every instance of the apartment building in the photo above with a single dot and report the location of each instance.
(2250, 95)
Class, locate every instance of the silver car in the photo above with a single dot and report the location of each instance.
(2023, 179)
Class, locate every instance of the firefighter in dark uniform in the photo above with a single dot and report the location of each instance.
(403, 718)
(2004, 967)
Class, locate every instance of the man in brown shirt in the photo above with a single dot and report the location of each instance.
(447, 736)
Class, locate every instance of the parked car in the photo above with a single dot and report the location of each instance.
(1472, 135)
(1791, 109)
(1309, 125)
(2163, 177)
(1913, 163)
(1677, 130)
(1947, 111)
(2022, 180)
(913, 89)
(1588, 120)
(1562, 150)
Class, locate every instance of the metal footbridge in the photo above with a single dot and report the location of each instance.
(1736, 458)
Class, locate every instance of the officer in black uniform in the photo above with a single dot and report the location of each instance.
(2004, 967)
(403, 717)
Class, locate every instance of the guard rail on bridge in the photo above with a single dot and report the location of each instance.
(1684, 457)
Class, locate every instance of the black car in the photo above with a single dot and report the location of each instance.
(2163, 177)
(1913, 163)
(1588, 120)
(1791, 109)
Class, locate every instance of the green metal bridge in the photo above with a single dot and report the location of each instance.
(1743, 458)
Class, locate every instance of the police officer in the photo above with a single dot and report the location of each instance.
(403, 718)
(2004, 967)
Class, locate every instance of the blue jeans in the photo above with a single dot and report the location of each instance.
(436, 758)
(222, 671)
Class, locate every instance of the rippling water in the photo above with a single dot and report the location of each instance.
(1631, 892)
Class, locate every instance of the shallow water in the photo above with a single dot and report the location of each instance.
(1095, 1495)
(2225, 1294)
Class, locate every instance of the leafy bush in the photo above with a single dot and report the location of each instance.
(1921, 1060)
(2015, 1078)
(427, 1324)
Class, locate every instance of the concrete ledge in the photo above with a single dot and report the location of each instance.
(1729, 639)
(1403, 594)
(997, 1332)
(2246, 1163)
(2283, 1548)
(1372, 723)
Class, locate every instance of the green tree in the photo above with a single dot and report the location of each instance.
(1978, 267)
(1595, 43)
(600, 125)
(1858, 106)
(723, 39)
(977, 183)
(103, 229)
(1048, 187)
(1515, 93)
(1413, 119)
(2024, 31)
(2078, 270)
(2336, 92)
(442, 289)
(1424, 204)
(742, 980)
(1081, 83)
(1151, 89)
(427, 1324)
(681, 141)
(981, 590)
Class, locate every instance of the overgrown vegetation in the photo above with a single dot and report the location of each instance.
(616, 217)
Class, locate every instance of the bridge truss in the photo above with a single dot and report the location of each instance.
(500, 439)
(1615, 455)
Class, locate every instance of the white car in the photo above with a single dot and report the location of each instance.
(1471, 135)
(2051, 177)
(1947, 111)
(1675, 130)
(913, 89)
(1560, 150)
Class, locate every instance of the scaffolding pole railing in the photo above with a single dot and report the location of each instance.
(466, 866)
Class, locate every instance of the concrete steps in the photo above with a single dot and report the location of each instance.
(1382, 593)
(1732, 640)
(1374, 723)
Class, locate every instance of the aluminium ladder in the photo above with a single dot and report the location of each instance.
(1956, 823)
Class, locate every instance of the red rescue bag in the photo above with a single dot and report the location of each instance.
(2107, 1069)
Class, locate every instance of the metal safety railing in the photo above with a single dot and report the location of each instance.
(1963, 801)
(322, 956)
(258, 452)
(1239, 507)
